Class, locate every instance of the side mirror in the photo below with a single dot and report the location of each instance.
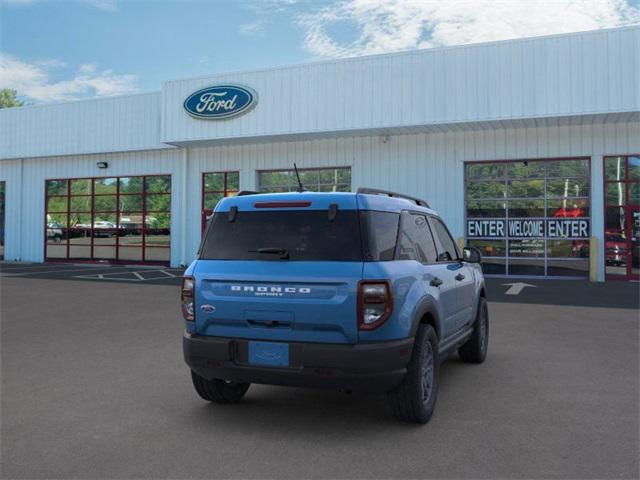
(471, 255)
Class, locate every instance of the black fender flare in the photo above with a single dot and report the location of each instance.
(481, 291)
(428, 306)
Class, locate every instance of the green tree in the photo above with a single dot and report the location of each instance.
(8, 98)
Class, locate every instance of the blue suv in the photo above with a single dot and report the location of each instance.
(353, 291)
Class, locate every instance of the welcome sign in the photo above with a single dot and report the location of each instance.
(525, 228)
(220, 102)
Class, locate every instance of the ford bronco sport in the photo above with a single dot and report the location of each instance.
(355, 291)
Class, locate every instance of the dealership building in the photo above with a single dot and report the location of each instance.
(529, 149)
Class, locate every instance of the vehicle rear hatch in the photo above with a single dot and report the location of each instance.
(281, 267)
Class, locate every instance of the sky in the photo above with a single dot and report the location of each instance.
(54, 50)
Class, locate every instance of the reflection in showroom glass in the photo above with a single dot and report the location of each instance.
(107, 219)
(547, 215)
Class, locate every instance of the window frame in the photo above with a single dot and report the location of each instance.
(399, 233)
(117, 230)
(3, 213)
(259, 186)
(225, 193)
(439, 247)
(627, 207)
(506, 178)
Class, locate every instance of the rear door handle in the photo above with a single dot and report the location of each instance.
(459, 277)
(436, 282)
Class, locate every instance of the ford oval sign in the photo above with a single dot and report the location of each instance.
(220, 101)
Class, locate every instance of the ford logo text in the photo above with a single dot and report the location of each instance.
(220, 102)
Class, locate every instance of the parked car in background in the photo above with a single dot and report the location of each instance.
(54, 232)
(104, 229)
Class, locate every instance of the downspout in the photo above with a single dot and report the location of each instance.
(20, 185)
(183, 209)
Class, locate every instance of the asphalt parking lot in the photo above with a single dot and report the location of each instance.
(94, 386)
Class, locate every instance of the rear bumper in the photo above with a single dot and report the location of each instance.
(371, 367)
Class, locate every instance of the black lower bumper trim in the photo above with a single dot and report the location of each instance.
(363, 367)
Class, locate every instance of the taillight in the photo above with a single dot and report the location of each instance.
(375, 303)
(186, 298)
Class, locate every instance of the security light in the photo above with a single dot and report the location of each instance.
(102, 165)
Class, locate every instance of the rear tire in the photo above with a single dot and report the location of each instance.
(475, 349)
(414, 400)
(219, 391)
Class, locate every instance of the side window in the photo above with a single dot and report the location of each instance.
(379, 234)
(447, 250)
(415, 241)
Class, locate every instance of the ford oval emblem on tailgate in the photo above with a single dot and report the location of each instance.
(208, 308)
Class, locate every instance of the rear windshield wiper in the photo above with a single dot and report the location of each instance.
(283, 252)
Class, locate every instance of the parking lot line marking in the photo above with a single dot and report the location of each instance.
(31, 272)
(156, 278)
(148, 267)
(102, 276)
(118, 276)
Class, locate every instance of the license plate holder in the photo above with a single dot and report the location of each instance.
(269, 354)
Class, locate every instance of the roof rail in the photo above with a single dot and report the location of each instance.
(242, 193)
(377, 191)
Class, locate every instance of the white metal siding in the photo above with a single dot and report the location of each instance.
(425, 165)
(25, 199)
(11, 174)
(429, 166)
(115, 124)
(558, 76)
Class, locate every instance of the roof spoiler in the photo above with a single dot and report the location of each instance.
(376, 191)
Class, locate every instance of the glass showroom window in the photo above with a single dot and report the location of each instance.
(216, 186)
(2, 187)
(622, 217)
(313, 179)
(109, 219)
(531, 217)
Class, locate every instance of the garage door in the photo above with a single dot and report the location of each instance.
(115, 219)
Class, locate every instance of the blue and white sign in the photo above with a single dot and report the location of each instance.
(529, 228)
(220, 102)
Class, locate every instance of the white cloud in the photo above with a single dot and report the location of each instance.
(389, 25)
(267, 7)
(253, 28)
(33, 80)
(104, 5)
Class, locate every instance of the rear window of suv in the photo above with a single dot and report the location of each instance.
(303, 235)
